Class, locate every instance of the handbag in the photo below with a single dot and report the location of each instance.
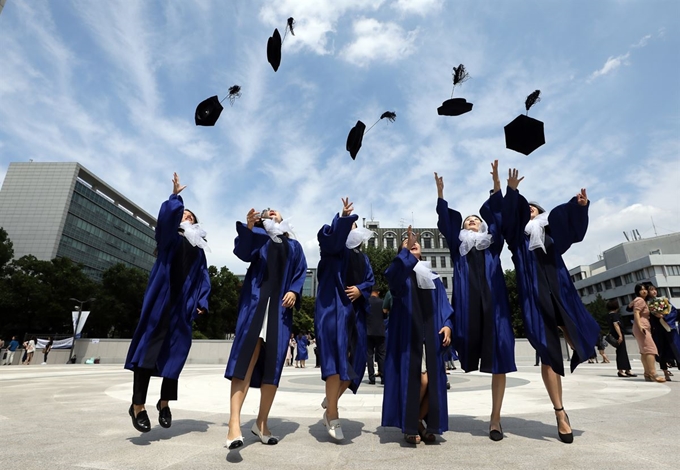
(611, 339)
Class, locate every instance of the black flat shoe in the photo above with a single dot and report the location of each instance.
(164, 415)
(496, 435)
(567, 438)
(141, 421)
(622, 375)
(630, 374)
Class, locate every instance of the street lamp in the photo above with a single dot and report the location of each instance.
(75, 328)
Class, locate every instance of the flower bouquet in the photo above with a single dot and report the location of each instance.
(660, 306)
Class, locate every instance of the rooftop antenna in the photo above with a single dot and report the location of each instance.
(626, 235)
(639, 237)
(371, 212)
(655, 234)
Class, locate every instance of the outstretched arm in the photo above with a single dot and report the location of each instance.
(569, 222)
(449, 220)
(332, 237)
(515, 213)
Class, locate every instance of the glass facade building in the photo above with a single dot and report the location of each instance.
(54, 210)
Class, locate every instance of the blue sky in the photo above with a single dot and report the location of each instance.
(114, 85)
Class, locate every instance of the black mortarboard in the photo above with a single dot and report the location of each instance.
(275, 42)
(525, 134)
(456, 106)
(356, 134)
(208, 111)
(355, 138)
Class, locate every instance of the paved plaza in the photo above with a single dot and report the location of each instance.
(75, 417)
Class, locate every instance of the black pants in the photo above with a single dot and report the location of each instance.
(141, 386)
(375, 345)
(622, 361)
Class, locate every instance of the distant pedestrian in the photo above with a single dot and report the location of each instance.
(11, 349)
(615, 329)
(47, 349)
(375, 331)
(30, 350)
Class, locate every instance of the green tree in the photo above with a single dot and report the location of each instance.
(119, 302)
(6, 249)
(513, 298)
(303, 318)
(598, 309)
(380, 259)
(225, 287)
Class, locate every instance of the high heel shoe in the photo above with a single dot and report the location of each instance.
(324, 403)
(654, 378)
(268, 440)
(667, 374)
(164, 415)
(141, 421)
(567, 438)
(333, 427)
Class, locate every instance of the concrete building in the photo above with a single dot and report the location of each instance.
(52, 210)
(655, 260)
(433, 247)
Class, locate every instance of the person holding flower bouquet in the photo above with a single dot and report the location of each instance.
(642, 330)
(662, 315)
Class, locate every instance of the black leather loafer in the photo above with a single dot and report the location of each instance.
(141, 421)
(164, 415)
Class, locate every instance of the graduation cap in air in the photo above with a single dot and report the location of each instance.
(208, 111)
(275, 42)
(456, 106)
(525, 134)
(356, 134)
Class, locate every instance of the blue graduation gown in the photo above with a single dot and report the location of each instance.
(179, 284)
(503, 341)
(667, 342)
(544, 287)
(401, 400)
(339, 324)
(302, 353)
(253, 246)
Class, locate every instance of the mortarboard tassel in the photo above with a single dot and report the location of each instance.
(389, 115)
(532, 99)
(234, 92)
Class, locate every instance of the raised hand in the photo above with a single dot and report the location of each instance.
(494, 176)
(582, 198)
(411, 239)
(251, 218)
(439, 180)
(347, 207)
(176, 187)
(513, 182)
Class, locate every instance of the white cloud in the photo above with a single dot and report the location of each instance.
(642, 42)
(419, 7)
(378, 42)
(610, 65)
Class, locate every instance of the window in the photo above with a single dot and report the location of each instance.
(445, 281)
(591, 290)
(423, 258)
(673, 270)
(442, 259)
(389, 243)
(640, 275)
(427, 242)
(577, 277)
(675, 291)
(608, 284)
(617, 281)
(598, 287)
(434, 261)
(582, 292)
(443, 243)
(371, 242)
(628, 278)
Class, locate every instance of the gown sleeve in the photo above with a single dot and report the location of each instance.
(204, 290)
(492, 213)
(248, 243)
(332, 237)
(169, 218)
(366, 286)
(399, 271)
(299, 272)
(568, 224)
(515, 215)
(449, 224)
